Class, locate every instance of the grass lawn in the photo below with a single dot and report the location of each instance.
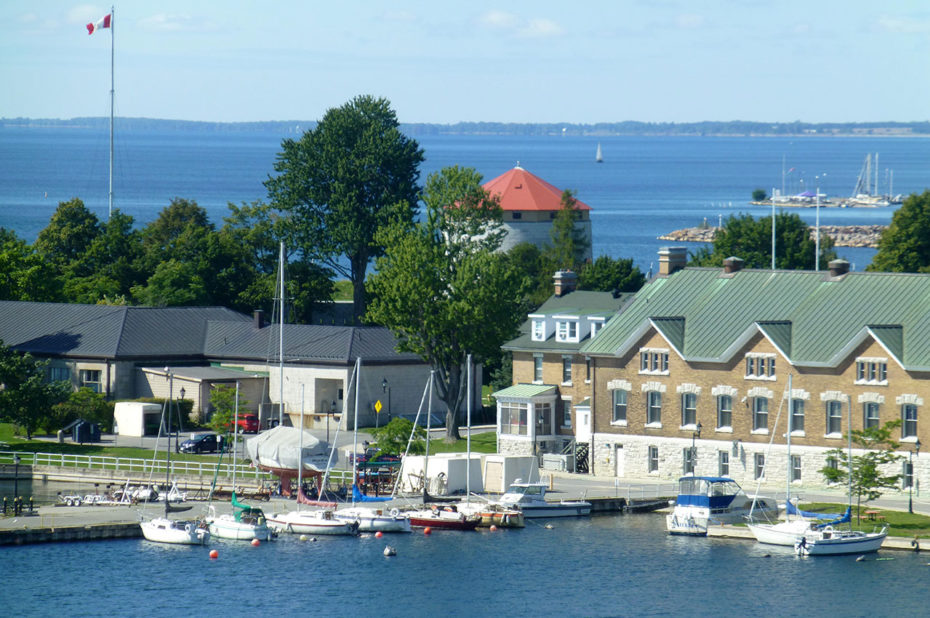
(900, 523)
(480, 443)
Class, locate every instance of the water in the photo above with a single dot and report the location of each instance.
(647, 186)
(602, 566)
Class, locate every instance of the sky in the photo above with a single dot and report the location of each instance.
(445, 62)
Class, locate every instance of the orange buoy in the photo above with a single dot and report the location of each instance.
(379, 534)
(256, 542)
(214, 554)
(427, 530)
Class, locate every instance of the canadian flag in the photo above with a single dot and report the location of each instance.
(103, 22)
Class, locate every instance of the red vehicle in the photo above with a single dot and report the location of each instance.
(248, 423)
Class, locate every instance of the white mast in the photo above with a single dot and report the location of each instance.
(236, 436)
(788, 475)
(773, 228)
(358, 371)
(468, 438)
(112, 95)
(281, 337)
(300, 450)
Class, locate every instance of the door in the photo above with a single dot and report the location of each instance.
(583, 426)
(618, 458)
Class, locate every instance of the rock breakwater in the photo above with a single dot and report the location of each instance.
(842, 235)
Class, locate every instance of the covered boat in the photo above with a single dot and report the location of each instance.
(707, 500)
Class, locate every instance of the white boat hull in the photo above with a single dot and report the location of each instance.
(226, 527)
(311, 522)
(837, 543)
(556, 509)
(162, 530)
(785, 533)
(370, 520)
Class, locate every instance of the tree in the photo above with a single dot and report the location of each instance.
(343, 181)
(568, 242)
(392, 439)
(442, 288)
(537, 268)
(606, 274)
(868, 480)
(751, 240)
(24, 275)
(223, 401)
(67, 237)
(110, 264)
(759, 195)
(26, 397)
(905, 246)
(86, 404)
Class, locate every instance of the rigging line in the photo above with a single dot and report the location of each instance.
(768, 450)
(413, 432)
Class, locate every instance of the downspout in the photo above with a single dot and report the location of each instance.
(593, 414)
(108, 380)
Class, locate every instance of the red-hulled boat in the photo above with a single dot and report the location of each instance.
(443, 517)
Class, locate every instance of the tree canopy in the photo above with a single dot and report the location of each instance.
(343, 181)
(751, 240)
(26, 396)
(442, 288)
(904, 246)
(569, 244)
(606, 274)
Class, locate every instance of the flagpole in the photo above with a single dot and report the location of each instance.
(112, 96)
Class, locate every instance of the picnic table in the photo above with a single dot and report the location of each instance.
(873, 515)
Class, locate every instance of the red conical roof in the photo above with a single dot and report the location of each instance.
(520, 190)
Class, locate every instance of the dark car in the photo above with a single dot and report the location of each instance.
(202, 443)
(248, 423)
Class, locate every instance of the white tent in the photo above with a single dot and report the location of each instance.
(280, 448)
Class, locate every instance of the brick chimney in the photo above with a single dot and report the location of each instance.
(258, 318)
(838, 268)
(672, 259)
(565, 281)
(733, 265)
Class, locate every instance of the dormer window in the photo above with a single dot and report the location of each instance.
(566, 330)
(760, 366)
(653, 361)
(596, 325)
(872, 371)
(539, 329)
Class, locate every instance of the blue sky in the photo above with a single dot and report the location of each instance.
(538, 61)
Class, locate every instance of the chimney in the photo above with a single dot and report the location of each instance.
(838, 268)
(565, 282)
(672, 259)
(258, 318)
(733, 265)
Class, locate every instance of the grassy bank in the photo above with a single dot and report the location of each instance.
(900, 523)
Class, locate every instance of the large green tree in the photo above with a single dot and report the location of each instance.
(26, 396)
(67, 237)
(606, 274)
(24, 275)
(569, 243)
(905, 246)
(342, 181)
(751, 240)
(442, 288)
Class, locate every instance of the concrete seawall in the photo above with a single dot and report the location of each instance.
(891, 542)
(89, 532)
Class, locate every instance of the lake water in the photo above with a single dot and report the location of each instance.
(621, 565)
(647, 186)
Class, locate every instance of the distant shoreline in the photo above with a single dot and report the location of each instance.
(842, 235)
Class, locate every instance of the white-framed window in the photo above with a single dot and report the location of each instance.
(566, 370)
(907, 475)
(834, 417)
(513, 418)
(596, 326)
(797, 415)
(688, 409)
(723, 463)
(909, 420)
(687, 460)
(653, 361)
(620, 403)
(870, 414)
(537, 368)
(653, 459)
(758, 467)
(833, 463)
(795, 468)
(543, 413)
(567, 413)
(760, 413)
(760, 366)
(654, 408)
(872, 371)
(90, 378)
(539, 329)
(587, 369)
(724, 412)
(59, 374)
(566, 330)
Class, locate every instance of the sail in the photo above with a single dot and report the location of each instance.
(846, 518)
(358, 496)
(599, 157)
(793, 510)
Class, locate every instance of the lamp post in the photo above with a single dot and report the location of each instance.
(695, 434)
(385, 387)
(16, 460)
(332, 412)
(910, 493)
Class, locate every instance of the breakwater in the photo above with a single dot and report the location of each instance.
(842, 235)
(51, 534)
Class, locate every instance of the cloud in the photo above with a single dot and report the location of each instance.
(535, 27)
(541, 28)
(902, 25)
(499, 19)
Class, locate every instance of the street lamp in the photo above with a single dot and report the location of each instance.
(16, 460)
(695, 434)
(332, 412)
(910, 493)
(385, 387)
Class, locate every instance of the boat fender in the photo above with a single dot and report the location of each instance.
(395, 512)
(261, 521)
(187, 527)
(915, 544)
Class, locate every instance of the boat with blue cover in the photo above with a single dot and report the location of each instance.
(711, 500)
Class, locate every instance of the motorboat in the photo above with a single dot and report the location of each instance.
(375, 520)
(164, 530)
(494, 514)
(443, 517)
(709, 500)
(530, 498)
(323, 522)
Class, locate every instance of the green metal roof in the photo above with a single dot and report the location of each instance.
(585, 304)
(811, 316)
(524, 390)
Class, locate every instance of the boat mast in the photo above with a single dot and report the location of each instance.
(358, 370)
(849, 452)
(468, 437)
(235, 437)
(112, 96)
(429, 415)
(300, 450)
(281, 336)
(168, 460)
(788, 474)
(773, 228)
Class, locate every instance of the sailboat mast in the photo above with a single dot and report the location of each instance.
(468, 437)
(168, 460)
(849, 449)
(429, 415)
(788, 471)
(300, 450)
(358, 370)
(235, 436)
(281, 336)
(112, 97)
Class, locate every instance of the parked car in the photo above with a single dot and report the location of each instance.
(248, 423)
(203, 443)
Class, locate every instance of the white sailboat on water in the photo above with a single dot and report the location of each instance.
(164, 529)
(599, 156)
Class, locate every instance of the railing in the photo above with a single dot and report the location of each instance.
(130, 464)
